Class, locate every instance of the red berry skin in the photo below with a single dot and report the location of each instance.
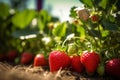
(112, 67)
(94, 18)
(11, 55)
(40, 60)
(26, 58)
(90, 60)
(76, 64)
(58, 60)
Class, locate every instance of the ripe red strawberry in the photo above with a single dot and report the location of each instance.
(40, 60)
(58, 60)
(112, 67)
(90, 60)
(11, 55)
(26, 58)
(94, 18)
(76, 64)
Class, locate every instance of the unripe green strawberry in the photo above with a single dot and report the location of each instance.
(72, 49)
(58, 60)
(101, 69)
(90, 60)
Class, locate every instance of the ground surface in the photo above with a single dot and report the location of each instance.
(20, 72)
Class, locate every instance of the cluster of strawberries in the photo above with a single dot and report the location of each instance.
(12, 56)
(88, 62)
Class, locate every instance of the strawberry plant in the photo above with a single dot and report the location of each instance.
(94, 27)
(100, 26)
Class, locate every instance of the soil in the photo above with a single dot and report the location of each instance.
(28, 72)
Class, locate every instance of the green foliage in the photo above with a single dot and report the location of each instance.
(23, 19)
(43, 19)
(18, 31)
(73, 12)
(88, 3)
(103, 4)
(4, 10)
(110, 26)
(105, 31)
(81, 31)
(60, 30)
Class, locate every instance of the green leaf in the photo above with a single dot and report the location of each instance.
(43, 19)
(81, 30)
(97, 2)
(103, 4)
(111, 18)
(73, 12)
(105, 33)
(23, 19)
(41, 25)
(95, 33)
(44, 15)
(88, 3)
(4, 10)
(60, 30)
(109, 26)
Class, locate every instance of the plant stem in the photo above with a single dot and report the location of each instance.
(99, 34)
(90, 32)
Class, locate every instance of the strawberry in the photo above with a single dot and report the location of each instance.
(26, 58)
(58, 60)
(11, 55)
(90, 60)
(76, 64)
(112, 67)
(94, 18)
(40, 60)
(72, 48)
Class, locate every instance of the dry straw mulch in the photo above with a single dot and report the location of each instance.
(20, 72)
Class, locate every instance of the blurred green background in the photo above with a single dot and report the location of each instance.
(29, 25)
